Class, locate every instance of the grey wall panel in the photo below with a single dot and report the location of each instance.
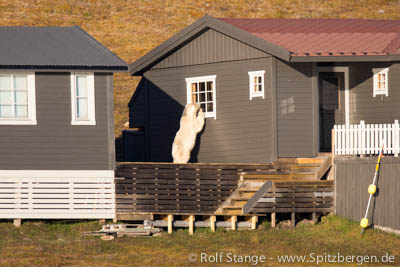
(385, 109)
(295, 109)
(209, 47)
(138, 109)
(55, 144)
(353, 176)
(242, 130)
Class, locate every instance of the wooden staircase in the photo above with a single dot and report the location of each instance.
(299, 169)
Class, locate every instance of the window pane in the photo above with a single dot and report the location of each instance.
(82, 108)
(5, 97)
(194, 87)
(255, 88)
(5, 111)
(210, 96)
(203, 107)
(81, 86)
(21, 97)
(259, 79)
(210, 107)
(260, 88)
(20, 82)
(255, 80)
(21, 111)
(202, 86)
(5, 82)
(209, 86)
(202, 97)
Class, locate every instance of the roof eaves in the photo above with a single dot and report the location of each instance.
(353, 58)
(138, 67)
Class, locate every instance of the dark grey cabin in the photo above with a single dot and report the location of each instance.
(56, 100)
(271, 87)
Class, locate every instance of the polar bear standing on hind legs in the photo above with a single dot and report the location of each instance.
(192, 122)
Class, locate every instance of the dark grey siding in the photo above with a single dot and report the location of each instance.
(138, 107)
(295, 109)
(363, 106)
(242, 131)
(55, 144)
(209, 47)
(353, 176)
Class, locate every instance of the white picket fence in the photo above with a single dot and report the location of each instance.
(366, 139)
(57, 198)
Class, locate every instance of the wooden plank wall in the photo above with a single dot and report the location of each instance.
(176, 188)
(296, 196)
(353, 176)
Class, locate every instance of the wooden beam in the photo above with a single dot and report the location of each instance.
(254, 221)
(191, 224)
(233, 222)
(170, 221)
(273, 219)
(213, 219)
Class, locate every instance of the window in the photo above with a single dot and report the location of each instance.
(256, 79)
(201, 90)
(82, 99)
(17, 99)
(381, 85)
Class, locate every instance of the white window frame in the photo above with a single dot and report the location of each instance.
(384, 91)
(252, 74)
(91, 99)
(31, 119)
(211, 78)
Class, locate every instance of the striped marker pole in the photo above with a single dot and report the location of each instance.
(372, 189)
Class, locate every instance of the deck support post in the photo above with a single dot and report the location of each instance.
(191, 224)
(254, 221)
(170, 221)
(115, 220)
(213, 219)
(314, 217)
(233, 222)
(273, 219)
(293, 219)
(17, 223)
(102, 221)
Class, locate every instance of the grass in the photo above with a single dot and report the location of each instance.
(132, 28)
(62, 243)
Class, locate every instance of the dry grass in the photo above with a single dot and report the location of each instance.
(132, 28)
(62, 244)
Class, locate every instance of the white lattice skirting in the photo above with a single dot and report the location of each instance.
(40, 195)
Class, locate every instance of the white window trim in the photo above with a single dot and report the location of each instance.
(31, 120)
(210, 78)
(375, 80)
(91, 100)
(253, 74)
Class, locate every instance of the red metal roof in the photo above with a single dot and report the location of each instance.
(326, 37)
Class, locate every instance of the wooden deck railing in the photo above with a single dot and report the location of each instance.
(177, 188)
(366, 139)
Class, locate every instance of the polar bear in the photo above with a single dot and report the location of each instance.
(192, 122)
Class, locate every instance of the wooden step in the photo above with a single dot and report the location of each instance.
(239, 202)
(309, 160)
(309, 165)
(303, 169)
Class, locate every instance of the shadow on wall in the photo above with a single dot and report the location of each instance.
(159, 115)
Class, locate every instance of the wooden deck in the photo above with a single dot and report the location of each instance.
(211, 191)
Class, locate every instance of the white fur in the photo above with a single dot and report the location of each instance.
(192, 122)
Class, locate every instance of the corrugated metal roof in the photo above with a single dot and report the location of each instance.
(326, 37)
(54, 47)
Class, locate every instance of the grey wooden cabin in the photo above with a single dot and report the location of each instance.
(56, 100)
(271, 88)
